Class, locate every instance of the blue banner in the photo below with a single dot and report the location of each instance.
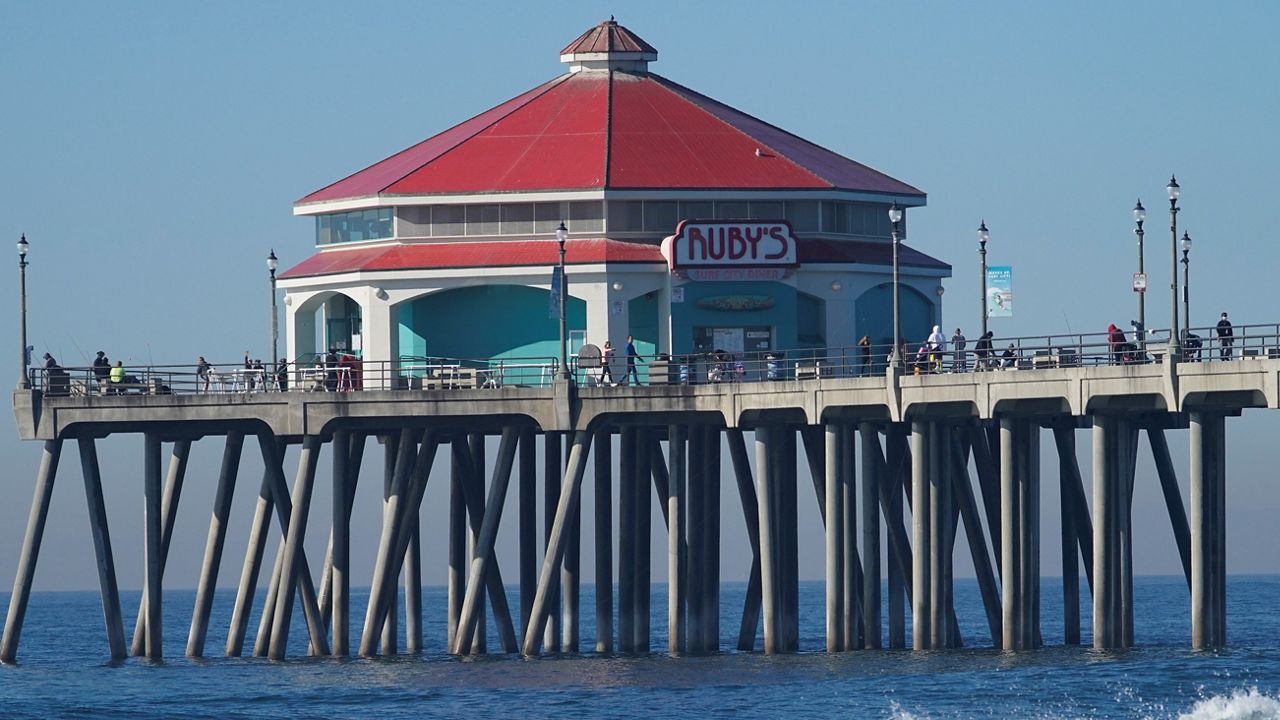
(553, 310)
(1000, 291)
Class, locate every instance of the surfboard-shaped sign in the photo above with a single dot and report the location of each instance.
(731, 244)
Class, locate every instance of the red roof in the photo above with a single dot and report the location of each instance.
(609, 37)
(514, 253)
(616, 129)
(500, 253)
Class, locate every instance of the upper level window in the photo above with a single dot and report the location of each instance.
(374, 224)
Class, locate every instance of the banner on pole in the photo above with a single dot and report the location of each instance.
(553, 310)
(1000, 291)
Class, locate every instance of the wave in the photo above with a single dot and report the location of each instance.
(1248, 704)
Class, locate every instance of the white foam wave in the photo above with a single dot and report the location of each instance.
(1239, 705)
(898, 713)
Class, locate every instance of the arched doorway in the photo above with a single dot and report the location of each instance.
(327, 321)
(484, 322)
(873, 316)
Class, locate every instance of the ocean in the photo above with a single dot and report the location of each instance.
(63, 672)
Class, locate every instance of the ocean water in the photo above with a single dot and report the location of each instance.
(62, 671)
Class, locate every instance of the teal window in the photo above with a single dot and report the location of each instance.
(374, 224)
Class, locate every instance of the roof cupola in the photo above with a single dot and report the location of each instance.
(608, 46)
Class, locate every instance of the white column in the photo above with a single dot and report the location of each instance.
(379, 338)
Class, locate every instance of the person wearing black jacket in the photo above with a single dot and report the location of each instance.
(1226, 337)
(982, 351)
(101, 367)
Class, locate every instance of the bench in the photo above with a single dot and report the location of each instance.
(808, 371)
(1043, 359)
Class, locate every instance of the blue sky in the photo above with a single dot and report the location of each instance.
(151, 152)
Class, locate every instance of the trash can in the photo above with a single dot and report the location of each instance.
(664, 370)
(773, 369)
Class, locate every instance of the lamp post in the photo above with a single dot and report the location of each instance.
(895, 217)
(23, 382)
(1186, 286)
(272, 264)
(1174, 191)
(561, 233)
(1140, 216)
(983, 236)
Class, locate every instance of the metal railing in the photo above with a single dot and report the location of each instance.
(347, 373)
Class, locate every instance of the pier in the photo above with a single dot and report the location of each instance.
(890, 455)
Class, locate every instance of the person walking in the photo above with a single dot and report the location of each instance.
(606, 364)
(1226, 336)
(864, 355)
(957, 344)
(632, 357)
(202, 374)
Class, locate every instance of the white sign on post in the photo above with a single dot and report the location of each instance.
(1139, 282)
(677, 294)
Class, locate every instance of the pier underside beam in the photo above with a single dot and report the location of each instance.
(102, 548)
(215, 543)
(1208, 530)
(556, 543)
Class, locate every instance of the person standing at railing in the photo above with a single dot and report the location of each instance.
(632, 357)
(282, 375)
(248, 372)
(606, 364)
(864, 355)
(957, 344)
(982, 352)
(57, 381)
(101, 369)
(937, 344)
(202, 374)
(1226, 336)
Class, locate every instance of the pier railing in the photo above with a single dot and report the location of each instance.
(348, 373)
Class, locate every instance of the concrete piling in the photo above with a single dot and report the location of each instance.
(603, 473)
(151, 588)
(215, 543)
(553, 468)
(102, 547)
(677, 567)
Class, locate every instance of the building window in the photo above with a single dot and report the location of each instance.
(414, 221)
(660, 216)
(626, 216)
(548, 216)
(482, 219)
(585, 216)
(448, 220)
(374, 224)
(731, 210)
(517, 219)
(803, 215)
(766, 211)
(697, 210)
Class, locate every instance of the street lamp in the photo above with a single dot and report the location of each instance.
(1140, 216)
(1186, 286)
(1174, 191)
(272, 264)
(562, 233)
(895, 217)
(23, 382)
(983, 236)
